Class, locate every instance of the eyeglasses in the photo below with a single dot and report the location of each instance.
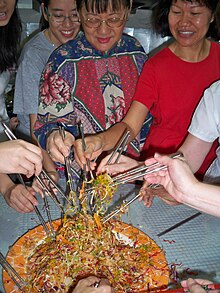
(61, 18)
(112, 22)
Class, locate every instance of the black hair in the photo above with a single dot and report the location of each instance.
(10, 36)
(161, 12)
(44, 24)
(101, 6)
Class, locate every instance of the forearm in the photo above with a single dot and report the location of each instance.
(111, 136)
(5, 183)
(204, 197)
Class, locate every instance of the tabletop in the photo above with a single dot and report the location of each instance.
(191, 240)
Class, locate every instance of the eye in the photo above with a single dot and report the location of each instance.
(58, 15)
(113, 19)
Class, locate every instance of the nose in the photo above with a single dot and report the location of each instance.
(67, 22)
(184, 18)
(103, 28)
(3, 2)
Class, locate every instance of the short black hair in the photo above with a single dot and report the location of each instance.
(101, 6)
(160, 17)
(10, 36)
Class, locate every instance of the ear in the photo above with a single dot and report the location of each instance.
(43, 11)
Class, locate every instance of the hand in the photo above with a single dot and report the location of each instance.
(87, 286)
(124, 164)
(195, 285)
(13, 123)
(39, 189)
(148, 193)
(94, 147)
(57, 147)
(178, 179)
(19, 156)
(21, 198)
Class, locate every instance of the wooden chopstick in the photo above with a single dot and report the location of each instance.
(12, 272)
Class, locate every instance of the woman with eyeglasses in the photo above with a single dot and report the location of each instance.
(91, 79)
(59, 24)
(172, 81)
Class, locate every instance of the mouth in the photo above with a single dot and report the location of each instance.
(68, 34)
(104, 40)
(2, 15)
(186, 33)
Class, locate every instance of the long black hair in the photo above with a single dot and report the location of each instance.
(161, 11)
(101, 6)
(10, 36)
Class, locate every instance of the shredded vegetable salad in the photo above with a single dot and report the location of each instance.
(82, 249)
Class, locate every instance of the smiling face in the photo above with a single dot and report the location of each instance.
(6, 10)
(61, 32)
(189, 22)
(103, 37)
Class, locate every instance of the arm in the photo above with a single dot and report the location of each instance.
(179, 181)
(55, 104)
(17, 196)
(195, 151)
(96, 144)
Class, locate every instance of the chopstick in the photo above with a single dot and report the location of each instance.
(12, 272)
(142, 170)
(111, 215)
(84, 149)
(67, 160)
(180, 290)
(120, 147)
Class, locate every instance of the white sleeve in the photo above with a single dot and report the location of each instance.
(205, 123)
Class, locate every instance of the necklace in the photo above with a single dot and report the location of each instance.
(48, 37)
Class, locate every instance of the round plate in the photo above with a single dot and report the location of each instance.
(22, 247)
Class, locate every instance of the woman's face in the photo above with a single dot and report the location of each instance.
(189, 22)
(103, 37)
(6, 10)
(61, 31)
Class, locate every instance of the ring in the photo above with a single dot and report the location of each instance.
(96, 284)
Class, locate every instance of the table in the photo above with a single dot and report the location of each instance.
(193, 246)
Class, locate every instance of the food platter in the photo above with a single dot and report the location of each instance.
(128, 234)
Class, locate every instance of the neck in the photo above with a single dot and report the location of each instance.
(195, 53)
(49, 37)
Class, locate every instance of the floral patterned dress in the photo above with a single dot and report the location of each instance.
(80, 83)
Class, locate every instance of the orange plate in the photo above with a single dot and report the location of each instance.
(20, 250)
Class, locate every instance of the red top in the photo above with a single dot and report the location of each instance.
(171, 89)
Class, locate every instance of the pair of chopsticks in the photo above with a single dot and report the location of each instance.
(84, 149)
(207, 288)
(119, 148)
(49, 232)
(12, 272)
(141, 171)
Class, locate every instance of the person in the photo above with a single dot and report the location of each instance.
(16, 156)
(91, 79)
(190, 285)
(183, 186)
(93, 285)
(203, 131)
(59, 24)
(171, 84)
(10, 30)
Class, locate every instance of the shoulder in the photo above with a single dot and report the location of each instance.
(129, 44)
(36, 47)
